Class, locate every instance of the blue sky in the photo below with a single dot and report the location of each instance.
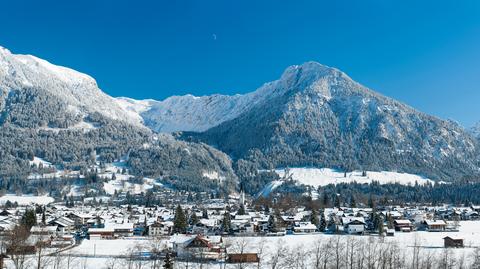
(426, 54)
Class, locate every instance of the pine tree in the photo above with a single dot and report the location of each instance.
(323, 221)
(353, 202)
(193, 218)
(325, 199)
(241, 210)
(29, 219)
(272, 223)
(205, 214)
(314, 218)
(226, 223)
(337, 202)
(371, 202)
(44, 221)
(179, 221)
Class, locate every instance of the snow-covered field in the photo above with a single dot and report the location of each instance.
(316, 177)
(323, 176)
(26, 199)
(428, 243)
(113, 247)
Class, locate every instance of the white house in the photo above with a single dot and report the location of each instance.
(353, 225)
(305, 227)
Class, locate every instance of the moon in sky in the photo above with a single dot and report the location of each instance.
(214, 36)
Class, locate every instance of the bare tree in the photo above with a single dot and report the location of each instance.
(261, 248)
(17, 248)
(475, 257)
(157, 245)
(278, 255)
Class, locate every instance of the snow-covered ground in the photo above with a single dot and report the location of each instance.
(427, 243)
(80, 126)
(26, 199)
(323, 176)
(37, 161)
(316, 177)
(113, 247)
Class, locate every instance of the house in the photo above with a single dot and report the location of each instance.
(160, 228)
(80, 219)
(101, 233)
(44, 230)
(196, 247)
(123, 229)
(243, 258)
(435, 225)
(403, 225)
(450, 242)
(353, 225)
(305, 227)
(64, 224)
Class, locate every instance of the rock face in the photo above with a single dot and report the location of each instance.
(62, 116)
(316, 115)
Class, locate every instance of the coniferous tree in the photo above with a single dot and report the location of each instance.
(205, 214)
(323, 221)
(179, 221)
(227, 223)
(314, 218)
(193, 218)
(29, 219)
(337, 202)
(43, 218)
(353, 202)
(371, 202)
(241, 210)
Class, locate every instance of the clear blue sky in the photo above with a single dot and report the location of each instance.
(426, 54)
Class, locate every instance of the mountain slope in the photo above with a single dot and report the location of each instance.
(61, 116)
(317, 115)
(77, 94)
(192, 113)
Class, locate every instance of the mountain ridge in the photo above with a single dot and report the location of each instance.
(321, 116)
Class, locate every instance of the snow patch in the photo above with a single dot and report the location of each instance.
(26, 199)
(316, 177)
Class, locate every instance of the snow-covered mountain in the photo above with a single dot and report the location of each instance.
(313, 116)
(61, 116)
(77, 94)
(317, 115)
(192, 113)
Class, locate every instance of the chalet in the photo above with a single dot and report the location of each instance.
(450, 242)
(64, 224)
(196, 247)
(353, 225)
(403, 225)
(160, 228)
(435, 225)
(80, 219)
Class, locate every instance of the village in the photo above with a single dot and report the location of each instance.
(207, 231)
